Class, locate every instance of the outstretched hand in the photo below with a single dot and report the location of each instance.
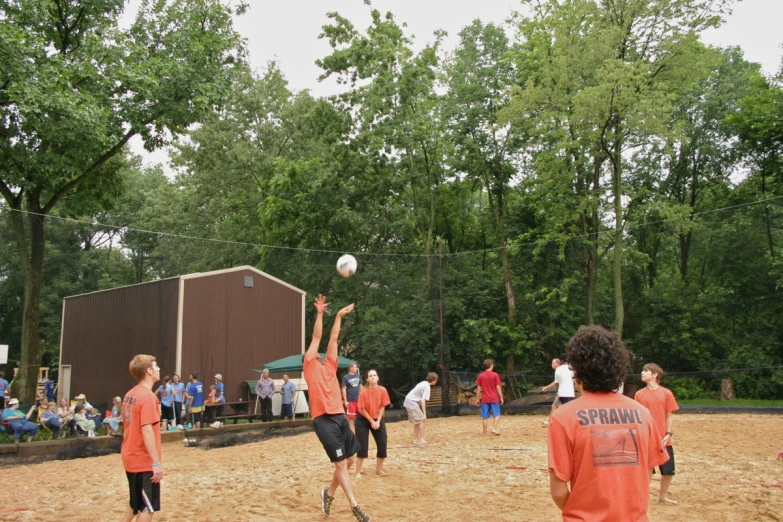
(320, 303)
(347, 310)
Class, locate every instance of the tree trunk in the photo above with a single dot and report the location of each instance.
(32, 261)
(619, 312)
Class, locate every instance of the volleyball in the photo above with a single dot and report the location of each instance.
(346, 265)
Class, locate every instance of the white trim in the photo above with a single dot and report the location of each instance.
(60, 359)
(240, 268)
(303, 323)
(180, 316)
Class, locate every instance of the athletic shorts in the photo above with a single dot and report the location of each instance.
(195, 417)
(167, 412)
(353, 409)
(287, 410)
(556, 402)
(487, 406)
(336, 436)
(667, 468)
(144, 495)
(565, 400)
(416, 416)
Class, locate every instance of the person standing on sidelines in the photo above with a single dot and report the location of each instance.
(4, 386)
(352, 386)
(662, 405)
(141, 453)
(327, 411)
(416, 406)
(489, 395)
(555, 403)
(195, 400)
(178, 389)
(265, 389)
(604, 444)
(372, 403)
(166, 396)
(288, 389)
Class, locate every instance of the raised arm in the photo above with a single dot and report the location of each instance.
(318, 327)
(331, 350)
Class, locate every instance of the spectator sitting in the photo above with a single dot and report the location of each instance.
(82, 422)
(212, 394)
(219, 397)
(113, 423)
(41, 407)
(90, 412)
(65, 414)
(18, 421)
(51, 419)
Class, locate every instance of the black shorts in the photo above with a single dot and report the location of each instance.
(336, 436)
(565, 400)
(667, 468)
(167, 412)
(144, 494)
(195, 417)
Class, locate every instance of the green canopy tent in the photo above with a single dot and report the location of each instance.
(293, 363)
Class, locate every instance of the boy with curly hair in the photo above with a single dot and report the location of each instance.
(603, 444)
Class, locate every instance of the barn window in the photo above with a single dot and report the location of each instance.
(248, 281)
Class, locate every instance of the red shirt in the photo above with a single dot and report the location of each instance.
(324, 390)
(140, 407)
(489, 381)
(660, 402)
(605, 445)
(373, 400)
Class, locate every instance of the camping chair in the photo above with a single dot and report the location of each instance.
(6, 433)
(45, 432)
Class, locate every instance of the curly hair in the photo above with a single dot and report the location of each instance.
(598, 358)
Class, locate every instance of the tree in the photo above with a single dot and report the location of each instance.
(75, 88)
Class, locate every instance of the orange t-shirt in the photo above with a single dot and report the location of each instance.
(140, 407)
(605, 445)
(324, 390)
(373, 400)
(660, 402)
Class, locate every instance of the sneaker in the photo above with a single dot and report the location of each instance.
(360, 515)
(326, 502)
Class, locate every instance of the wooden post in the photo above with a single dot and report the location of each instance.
(726, 390)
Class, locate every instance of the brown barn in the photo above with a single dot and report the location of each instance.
(226, 322)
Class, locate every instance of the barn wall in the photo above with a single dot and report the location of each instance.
(102, 332)
(229, 329)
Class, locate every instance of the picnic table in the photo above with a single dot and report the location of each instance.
(232, 411)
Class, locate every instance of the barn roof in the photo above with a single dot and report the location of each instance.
(201, 274)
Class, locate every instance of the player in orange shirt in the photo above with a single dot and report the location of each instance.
(373, 400)
(662, 405)
(326, 410)
(141, 455)
(602, 443)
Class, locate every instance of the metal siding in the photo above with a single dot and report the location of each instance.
(230, 329)
(102, 331)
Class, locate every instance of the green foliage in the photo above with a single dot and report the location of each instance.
(688, 388)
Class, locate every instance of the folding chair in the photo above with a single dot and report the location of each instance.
(45, 432)
(6, 433)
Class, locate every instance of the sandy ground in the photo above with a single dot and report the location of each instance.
(726, 471)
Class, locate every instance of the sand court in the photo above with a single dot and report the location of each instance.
(726, 471)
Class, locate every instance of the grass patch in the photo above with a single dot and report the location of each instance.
(735, 402)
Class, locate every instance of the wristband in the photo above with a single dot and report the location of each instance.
(155, 464)
(669, 433)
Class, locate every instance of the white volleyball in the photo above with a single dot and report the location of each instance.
(346, 265)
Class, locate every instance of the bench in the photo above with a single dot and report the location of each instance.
(249, 416)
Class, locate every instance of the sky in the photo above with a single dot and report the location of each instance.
(287, 32)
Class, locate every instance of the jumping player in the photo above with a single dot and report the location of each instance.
(603, 443)
(327, 411)
(141, 455)
(490, 395)
(662, 405)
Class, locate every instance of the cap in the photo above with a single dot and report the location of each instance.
(218, 377)
(13, 401)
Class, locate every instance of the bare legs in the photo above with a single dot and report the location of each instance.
(342, 479)
(666, 481)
